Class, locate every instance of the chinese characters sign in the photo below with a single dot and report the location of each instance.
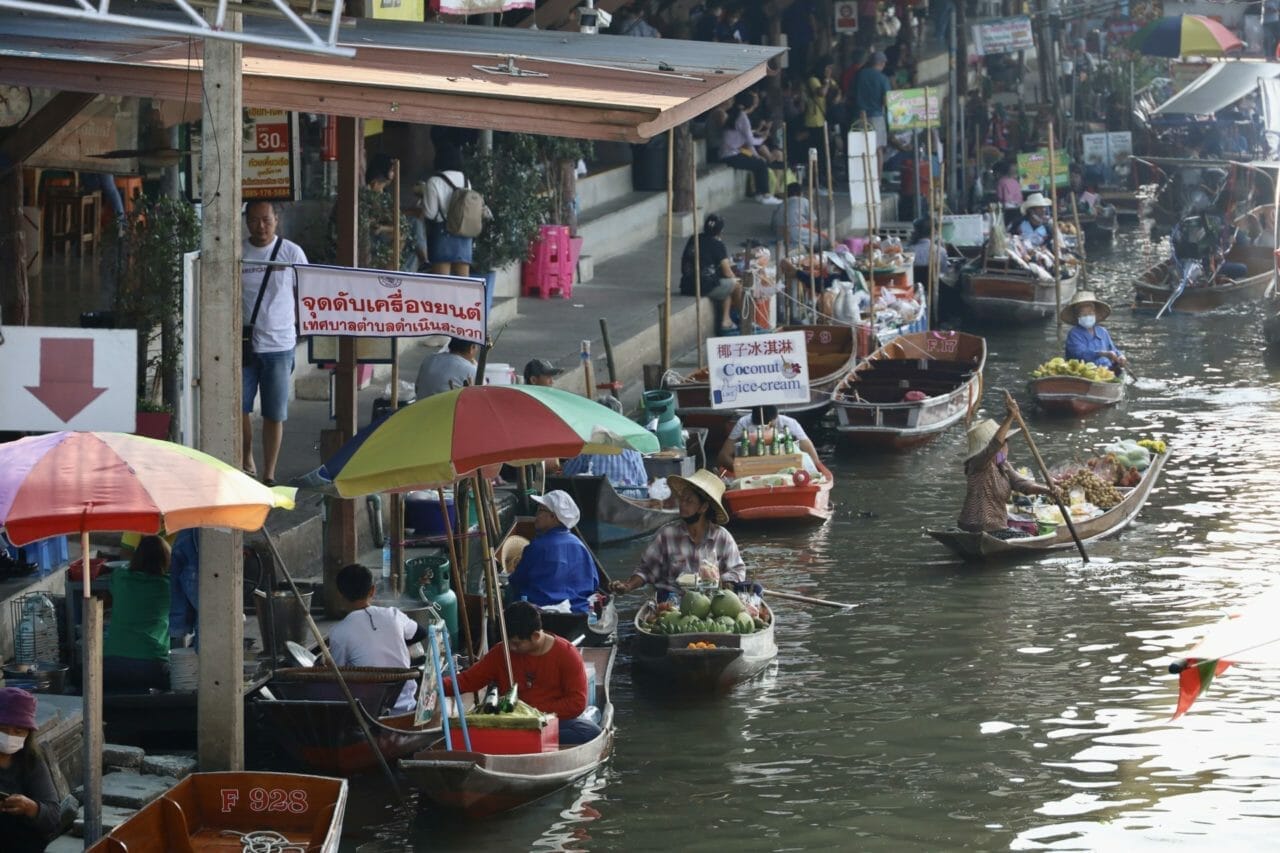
(758, 370)
(379, 304)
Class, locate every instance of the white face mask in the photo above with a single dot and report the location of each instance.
(1087, 321)
(10, 744)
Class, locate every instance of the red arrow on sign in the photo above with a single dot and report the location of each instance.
(66, 376)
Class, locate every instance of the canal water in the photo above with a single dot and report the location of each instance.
(1021, 706)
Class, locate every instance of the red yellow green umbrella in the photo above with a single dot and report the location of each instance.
(446, 436)
(1185, 35)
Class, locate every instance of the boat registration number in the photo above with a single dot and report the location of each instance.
(266, 800)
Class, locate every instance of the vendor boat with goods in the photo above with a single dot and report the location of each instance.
(237, 811)
(708, 643)
(1073, 387)
(516, 757)
(1239, 277)
(1020, 279)
(1106, 493)
(911, 390)
(772, 484)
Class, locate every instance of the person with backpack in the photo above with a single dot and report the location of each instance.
(455, 215)
(719, 284)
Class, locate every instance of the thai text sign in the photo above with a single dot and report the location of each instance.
(1003, 35)
(758, 370)
(380, 304)
(914, 109)
(846, 16)
(1033, 169)
(269, 159)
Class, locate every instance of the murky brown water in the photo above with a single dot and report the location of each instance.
(1023, 706)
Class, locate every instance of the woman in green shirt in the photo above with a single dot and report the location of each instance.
(135, 653)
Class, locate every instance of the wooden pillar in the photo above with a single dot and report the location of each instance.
(15, 300)
(91, 693)
(340, 533)
(220, 708)
(684, 172)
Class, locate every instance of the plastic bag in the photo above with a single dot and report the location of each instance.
(709, 572)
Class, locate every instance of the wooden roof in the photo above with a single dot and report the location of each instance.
(588, 86)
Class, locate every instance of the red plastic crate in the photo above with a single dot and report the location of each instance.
(509, 741)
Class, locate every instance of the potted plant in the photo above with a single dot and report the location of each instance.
(154, 419)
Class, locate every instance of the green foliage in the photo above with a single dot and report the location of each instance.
(374, 230)
(146, 404)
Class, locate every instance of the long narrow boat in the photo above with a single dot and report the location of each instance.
(1002, 290)
(1074, 395)
(667, 664)
(228, 811)
(1100, 225)
(1157, 284)
(481, 784)
(609, 517)
(982, 546)
(324, 736)
(1271, 313)
(875, 406)
(831, 351)
(810, 502)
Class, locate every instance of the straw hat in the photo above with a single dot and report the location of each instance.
(1035, 200)
(980, 435)
(707, 485)
(1084, 297)
(511, 551)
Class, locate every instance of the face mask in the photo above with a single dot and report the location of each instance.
(691, 519)
(1088, 321)
(1001, 456)
(10, 744)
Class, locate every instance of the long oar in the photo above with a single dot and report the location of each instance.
(1044, 472)
(808, 599)
(1177, 291)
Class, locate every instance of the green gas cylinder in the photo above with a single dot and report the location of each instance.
(661, 406)
(427, 578)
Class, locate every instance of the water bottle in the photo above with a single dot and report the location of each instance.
(386, 565)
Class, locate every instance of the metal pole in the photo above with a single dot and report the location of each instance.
(397, 499)
(666, 302)
(697, 263)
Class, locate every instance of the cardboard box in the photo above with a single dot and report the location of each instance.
(508, 741)
(750, 466)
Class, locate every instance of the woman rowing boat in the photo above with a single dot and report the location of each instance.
(991, 479)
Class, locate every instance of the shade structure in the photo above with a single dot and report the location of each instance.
(441, 438)
(1185, 35)
(76, 482)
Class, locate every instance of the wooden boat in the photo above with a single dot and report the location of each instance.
(214, 811)
(1271, 315)
(609, 517)
(810, 502)
(832, 352)
(1100, 226)
(1003, 290)
(1127, 204)
(1158, 284)
(1074, 395)
(982, 546)
(666, 663)
(945, 366)
(480, 784)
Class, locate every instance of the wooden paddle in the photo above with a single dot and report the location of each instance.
(1044, 472)
(808, 599)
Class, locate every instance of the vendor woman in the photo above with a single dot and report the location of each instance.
(135, 652)
(991, 478)
(762, 417)
(29, 807)
(682, 547)
(1087, 340)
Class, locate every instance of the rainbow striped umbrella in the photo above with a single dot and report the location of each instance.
(1185, 35)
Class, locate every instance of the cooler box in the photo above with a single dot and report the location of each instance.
(422, 513)
(507, 741)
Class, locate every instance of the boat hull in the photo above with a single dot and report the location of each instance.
(1073, 396)
(981, 546)
(480, 785)
(664, 664)
(1013, 294)
(1157, 284)
(325, 736)
(810, 503)
(608, 517)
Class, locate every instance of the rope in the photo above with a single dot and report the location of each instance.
(266, 841)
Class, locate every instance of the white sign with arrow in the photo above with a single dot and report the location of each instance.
(54, 378)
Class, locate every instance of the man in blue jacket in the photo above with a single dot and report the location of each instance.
(556, 566)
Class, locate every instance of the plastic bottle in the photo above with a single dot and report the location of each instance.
(386, 565)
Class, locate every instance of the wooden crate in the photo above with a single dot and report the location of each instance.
(750, 466)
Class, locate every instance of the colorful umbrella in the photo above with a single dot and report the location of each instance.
(1249, 635)
(1185, 35)
(446, 436)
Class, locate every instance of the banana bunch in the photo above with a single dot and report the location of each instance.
(1155, 445)
(1060, 366)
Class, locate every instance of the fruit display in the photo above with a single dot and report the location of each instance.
(1097, 492)
(723, 613)
(1155, 445)
(1060, 366)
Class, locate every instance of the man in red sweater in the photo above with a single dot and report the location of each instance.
(548, 669)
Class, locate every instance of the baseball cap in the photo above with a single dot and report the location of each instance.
(561, 506)
(540, 367)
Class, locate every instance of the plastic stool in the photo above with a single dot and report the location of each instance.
(549, 267)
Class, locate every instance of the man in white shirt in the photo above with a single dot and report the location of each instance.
(373, 636)
(450, 368)
(268, 302)
(767, 416)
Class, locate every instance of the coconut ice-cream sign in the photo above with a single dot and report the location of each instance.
(758, 370)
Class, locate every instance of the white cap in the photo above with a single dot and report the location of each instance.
(561, 506)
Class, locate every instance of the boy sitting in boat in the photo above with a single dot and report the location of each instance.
(552, 676)
(681, 547)
(373, 636)
(766, 419)
(1088, 341)
(556, 566)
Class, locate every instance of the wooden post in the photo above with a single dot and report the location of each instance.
(458, 571)
(397, 498)
(666, 302)
(786, 228)
(91, 691)
(490, 573)
(220, 711)
(588, 380)
(935, 210)
(831, 187)
(608, 359)
(697, 261)
(811, 166)
(1057, 255)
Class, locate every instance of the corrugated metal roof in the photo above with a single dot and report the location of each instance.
(1218, 88)
(595, 87)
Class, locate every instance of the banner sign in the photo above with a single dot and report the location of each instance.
(380, 304)
(399, 10)
(1033, 169)
(969, 229)
(758, 370)
(270, 155)
(846, 16)
(1003, 35)
(1107, 149)
(907, 108)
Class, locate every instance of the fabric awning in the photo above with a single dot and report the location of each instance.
(582, 86)
(1218, 88)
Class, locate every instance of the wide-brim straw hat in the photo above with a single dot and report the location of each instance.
(706, 484)
(981, 433)
(1084, 297)
(1035, 200)
(511, 551)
